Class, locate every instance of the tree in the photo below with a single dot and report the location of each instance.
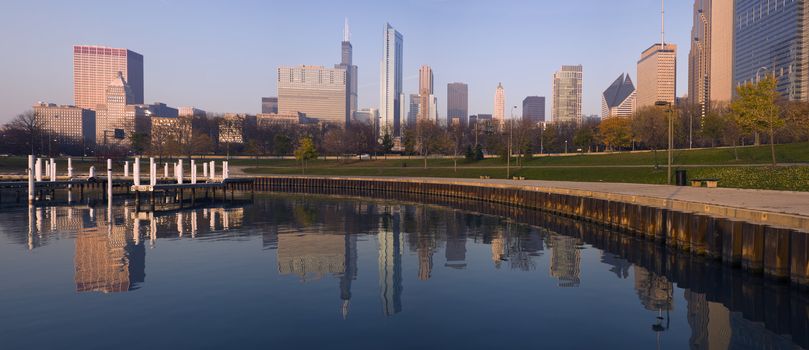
(387, 144)
(429, 138)
(756, 109)
(616, 133)
(455, 139)
(713, 126)
(479, 152)
(282, 144)
(650, 127)
(139, 141)
(335, 142)
(305, 152)
(28, 128)
(796, 120)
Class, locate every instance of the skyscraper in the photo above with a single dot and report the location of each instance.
(619, 99)
(710, 61)
(318, 91)
(351, 73)
(499, 115)
(567, 94)
(69, 125)
(771, 37)
(117, 119)
(413, 112)
(95, 66)
(426, 97)
(533, 109)
(390, 87)
(657, 75)
(269, 105)
(457, 103)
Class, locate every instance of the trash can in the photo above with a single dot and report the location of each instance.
(680, 178)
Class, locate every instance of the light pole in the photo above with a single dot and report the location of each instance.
(510, 135)
(542, 138)
(565, 146)
(759, 70)
(671, 134)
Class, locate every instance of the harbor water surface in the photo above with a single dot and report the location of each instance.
(294, 271)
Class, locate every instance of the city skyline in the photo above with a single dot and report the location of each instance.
(253, 76)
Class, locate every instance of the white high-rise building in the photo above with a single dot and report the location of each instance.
(318, 91)
(657, 75)
(391, 104)
(619, 99)
(567, 94)
(499, 115)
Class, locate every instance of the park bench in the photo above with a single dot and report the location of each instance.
(710, 183)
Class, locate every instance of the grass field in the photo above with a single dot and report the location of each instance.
(620, 167)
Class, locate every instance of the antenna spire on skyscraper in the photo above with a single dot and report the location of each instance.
(346, 32)
(662, 24)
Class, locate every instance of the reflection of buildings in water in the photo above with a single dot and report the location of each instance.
(108, 262)
(709, 322)
(498, 247)
(316, 255)
(310, 255)
(455, 252)
(620, 267)
(350, 272)
(390, 262)
(565, 262)
(455, 248)
(655, 292)
(522, 246)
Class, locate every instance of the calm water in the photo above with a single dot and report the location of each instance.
(292, 271)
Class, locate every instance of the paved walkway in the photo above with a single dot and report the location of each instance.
(777, 208)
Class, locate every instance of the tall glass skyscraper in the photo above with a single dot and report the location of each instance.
(533, 109)
(351, 73)
(457, 103)
(391, 105)
(567, 93)
(770, 37)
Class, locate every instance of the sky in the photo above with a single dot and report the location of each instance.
(221, 56)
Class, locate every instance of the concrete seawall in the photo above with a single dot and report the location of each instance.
(773, 243)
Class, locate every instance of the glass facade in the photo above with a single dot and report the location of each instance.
(770, 38)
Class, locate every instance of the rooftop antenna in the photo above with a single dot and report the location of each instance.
(662, 24)
(346, 32)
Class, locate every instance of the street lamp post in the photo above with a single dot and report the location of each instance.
(671, 134)
(510, 135)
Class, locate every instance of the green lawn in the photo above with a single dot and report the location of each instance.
(622, 167)
(782, 178)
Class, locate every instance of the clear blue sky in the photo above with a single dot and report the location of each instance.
(222, 55)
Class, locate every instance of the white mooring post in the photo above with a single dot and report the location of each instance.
(152, 172)
(70, 169)
(46, 167)
(38, 170)
(109, 179)
(180, 171)
(165, 170)
(213, 170)
(92, 172)
(225, 170)
(126, 169)
(136, 172)
(30, 179)
(205, 170)
(52, 170)
(193, 172)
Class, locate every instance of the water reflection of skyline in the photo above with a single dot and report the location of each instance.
(320, 243)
